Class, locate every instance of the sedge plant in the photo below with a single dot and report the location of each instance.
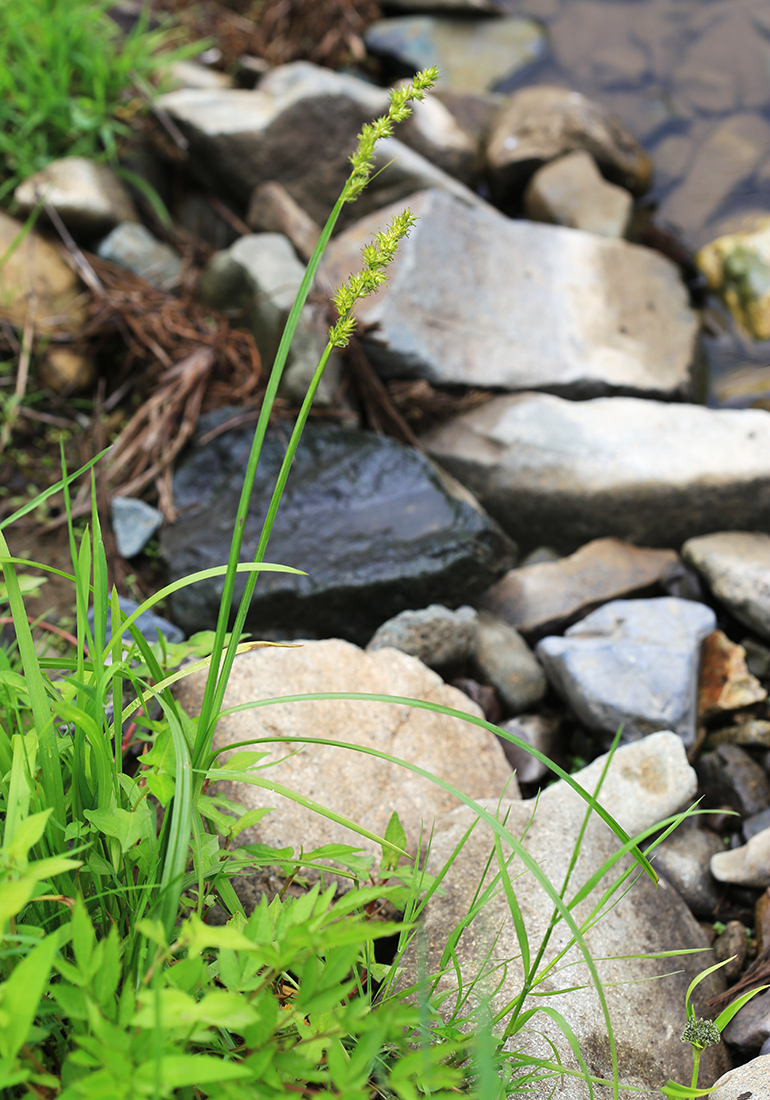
(113, 981)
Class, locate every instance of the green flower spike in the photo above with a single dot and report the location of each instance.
(701, 1033)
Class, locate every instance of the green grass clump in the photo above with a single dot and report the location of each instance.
(67, 78)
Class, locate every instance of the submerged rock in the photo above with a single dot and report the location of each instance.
(371, 521)
(476, 299)
(738, 267)
(632, 663)
(543, 122)
(472, 56)
(559, 473)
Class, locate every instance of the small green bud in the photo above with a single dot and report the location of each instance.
(701, 1033)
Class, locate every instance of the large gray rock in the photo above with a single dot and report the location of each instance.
(371, 521)
(749, 1029)
(299, 127)
(361, 787)
(749, 1080)
(88, 197)
(632, 663)
(736, 565)
(684, 859)
(543, 122)
(473, 56)
(546, 597)
(474, 298)
(560, 472)
(645, 782)
(571, 191)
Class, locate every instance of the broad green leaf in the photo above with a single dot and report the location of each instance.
(20, 996)
(395, 843)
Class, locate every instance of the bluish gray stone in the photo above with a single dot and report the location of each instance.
(134, 522)
(632, 663)
(148, 623)
(505, 661)
(371, 522)
(132, 246)
(736, 566)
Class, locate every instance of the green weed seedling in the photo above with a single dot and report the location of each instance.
(704, 1033)
(114, 983)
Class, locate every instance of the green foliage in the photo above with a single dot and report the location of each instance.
(67, 81)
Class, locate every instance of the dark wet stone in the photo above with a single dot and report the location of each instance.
(757, 823)
(375, 526)
(729, 776)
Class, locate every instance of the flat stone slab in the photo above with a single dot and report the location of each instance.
(645, 782)
(559, 473)
(474, 298)
(632, 663)
(549, 596)
(736, 566)
(377, 528)
(361, 787)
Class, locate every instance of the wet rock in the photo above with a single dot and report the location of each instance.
(299, 127)
(472, 56)
(363, 788)
(542, 732)
(737, 266)
(748, 865)
(371, 521)
(88, 197)
(35, 272)
(645, 782)
(736, 565)
(749, 1080)
(684, 859)
(545, 598)
(725, 67)
(725, 682)
(505, 660)
(133, 246)
(732, 944)
(148, 624)
(134, 522)
(725, 156)
(748, 1030)
(632, 663)
(541, 123)
(571, 191)
(575, 313)
(730, 777)
(563, 472)
(273, 210)
(435, 634)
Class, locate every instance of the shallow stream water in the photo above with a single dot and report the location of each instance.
(691, 81)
